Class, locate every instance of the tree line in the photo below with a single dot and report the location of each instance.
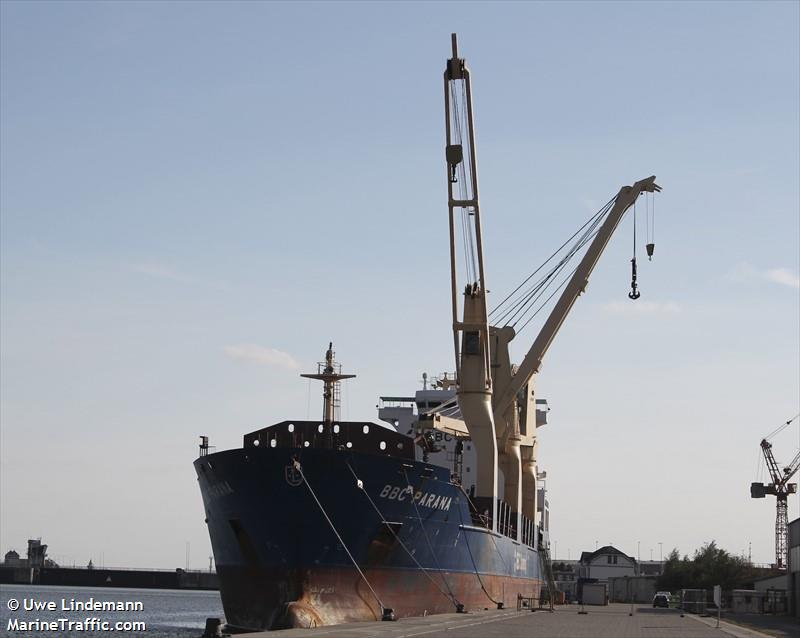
(709, 566)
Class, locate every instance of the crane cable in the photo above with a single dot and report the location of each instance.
(780, 429)
(467, 230)
(634, 294)
(591, 220)
(761, 461)
(521, 305)
(650, 216)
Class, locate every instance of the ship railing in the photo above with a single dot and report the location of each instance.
(479, 509)
(506, 519)
(528, 532)
(526, 602)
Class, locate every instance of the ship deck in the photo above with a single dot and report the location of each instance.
(612, 621)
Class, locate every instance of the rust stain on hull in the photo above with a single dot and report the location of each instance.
(332, 596)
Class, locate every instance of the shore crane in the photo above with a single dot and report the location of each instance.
(780, 488)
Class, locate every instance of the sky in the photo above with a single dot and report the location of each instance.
(197, 197)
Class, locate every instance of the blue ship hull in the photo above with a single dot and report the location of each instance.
(407, 527)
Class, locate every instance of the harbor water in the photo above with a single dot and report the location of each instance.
(79, 611)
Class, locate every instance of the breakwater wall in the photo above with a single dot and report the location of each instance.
(110, 577)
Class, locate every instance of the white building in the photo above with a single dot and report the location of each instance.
(604, 563)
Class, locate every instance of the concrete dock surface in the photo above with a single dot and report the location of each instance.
(612, 621)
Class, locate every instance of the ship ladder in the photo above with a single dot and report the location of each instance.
(547, 567)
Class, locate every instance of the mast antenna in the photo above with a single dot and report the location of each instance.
(330, 373)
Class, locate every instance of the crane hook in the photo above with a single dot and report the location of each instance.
(634, 293)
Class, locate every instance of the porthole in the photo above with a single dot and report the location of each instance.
(306, 444)
(291, 427)
(382, 445)
(365, 429)
(273, 443)
(256, 442)
(336, 429)
(320, 428)
(349, 445)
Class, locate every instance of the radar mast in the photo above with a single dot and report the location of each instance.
(330, 373)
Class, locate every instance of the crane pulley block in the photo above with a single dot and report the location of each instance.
(454, 153)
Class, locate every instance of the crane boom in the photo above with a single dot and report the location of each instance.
(772, 464)
(780, 479)
(577, 284)
(791, 469)
(471, 329)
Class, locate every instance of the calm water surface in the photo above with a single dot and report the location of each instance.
(168, 613)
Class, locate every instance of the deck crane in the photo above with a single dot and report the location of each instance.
(495, 398)
(513, 401)
(780, 488)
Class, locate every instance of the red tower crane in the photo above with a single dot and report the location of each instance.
(780, 488)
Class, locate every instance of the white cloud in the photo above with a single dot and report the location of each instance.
(742, 273)
(642, 308)
(160, 271)
(783, 276)
(747, 273)
(261, 355)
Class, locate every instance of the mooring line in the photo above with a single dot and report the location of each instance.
(471, 557)
(360, 485)
(428, 541)
(299, 468)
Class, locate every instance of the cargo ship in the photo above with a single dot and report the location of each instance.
(324, 522)
(439, 509)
